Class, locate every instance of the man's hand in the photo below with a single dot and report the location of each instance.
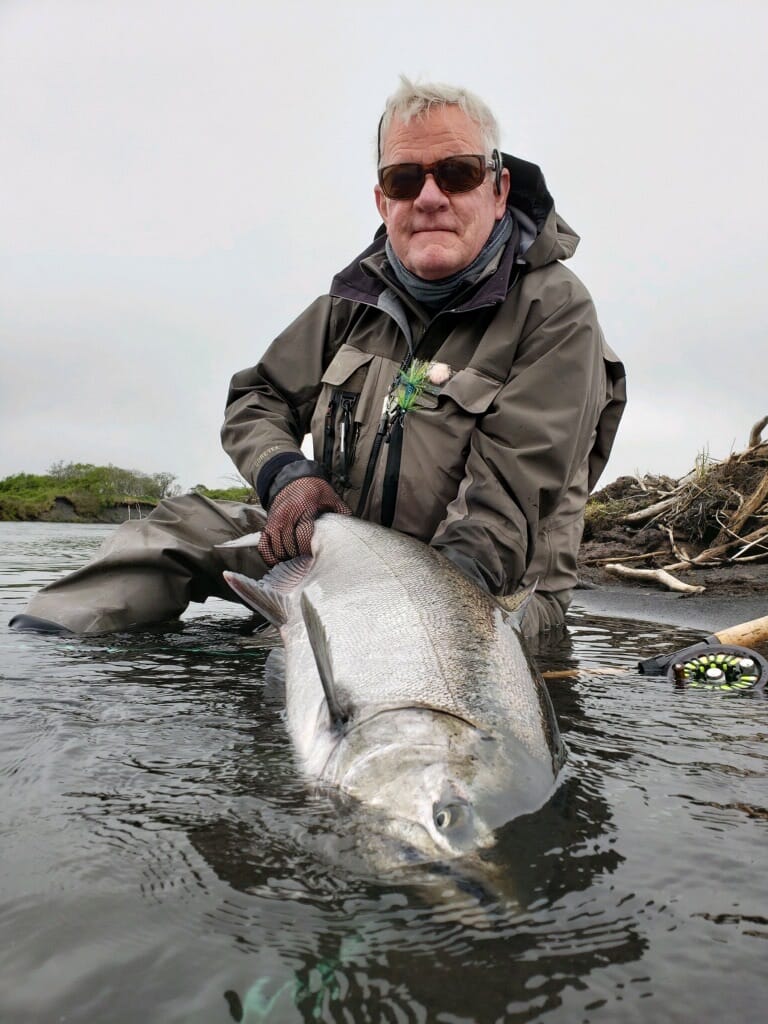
(291, 518)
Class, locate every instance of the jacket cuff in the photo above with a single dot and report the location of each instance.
(269, 471)
(292, 470)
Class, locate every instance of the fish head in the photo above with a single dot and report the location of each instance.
(441, 784)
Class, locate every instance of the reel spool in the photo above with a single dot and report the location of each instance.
(722, 667)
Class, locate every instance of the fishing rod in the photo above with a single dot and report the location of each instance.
(725, 661)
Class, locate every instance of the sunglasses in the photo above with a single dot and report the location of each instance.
(452, 174)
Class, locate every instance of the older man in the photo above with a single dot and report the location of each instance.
(455, 381)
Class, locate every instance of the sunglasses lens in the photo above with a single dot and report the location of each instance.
(401, 181)
(454, 174)
(460, 174)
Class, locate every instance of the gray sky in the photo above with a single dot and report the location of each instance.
(180, 178)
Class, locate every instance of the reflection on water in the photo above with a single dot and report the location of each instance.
(163, 860)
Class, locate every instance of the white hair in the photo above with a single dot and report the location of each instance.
(413, 99)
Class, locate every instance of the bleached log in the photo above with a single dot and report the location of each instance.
(657, 575)
(641, 514)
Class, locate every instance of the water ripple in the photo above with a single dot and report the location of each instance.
(163, 859)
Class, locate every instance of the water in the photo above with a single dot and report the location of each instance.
(161, 860)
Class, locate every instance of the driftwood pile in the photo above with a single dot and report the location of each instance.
(716, 515)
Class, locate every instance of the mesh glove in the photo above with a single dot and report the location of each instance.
(287, 532)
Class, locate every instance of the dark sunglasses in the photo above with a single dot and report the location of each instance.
(452, 174)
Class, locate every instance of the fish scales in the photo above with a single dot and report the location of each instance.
(438, 637)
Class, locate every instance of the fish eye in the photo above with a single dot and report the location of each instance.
(450, 816)
(443, 818)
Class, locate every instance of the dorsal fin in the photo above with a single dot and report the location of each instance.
(514, 605)
(318, 640)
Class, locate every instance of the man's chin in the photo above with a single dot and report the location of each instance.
(435, 263)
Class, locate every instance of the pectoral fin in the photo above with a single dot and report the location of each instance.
(318, 639)
(256, 595)
(270, 596)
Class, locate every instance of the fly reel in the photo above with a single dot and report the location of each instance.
(723, 667)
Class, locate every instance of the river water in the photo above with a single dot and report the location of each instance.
(162, 860)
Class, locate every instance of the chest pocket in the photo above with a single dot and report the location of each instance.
(436, 443)
(472, 391)
(345, 409)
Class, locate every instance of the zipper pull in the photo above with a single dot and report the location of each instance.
(343, 435)
(384, 417)
(347, 403)
(345, 432)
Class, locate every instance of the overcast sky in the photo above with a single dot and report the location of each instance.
(180, 178)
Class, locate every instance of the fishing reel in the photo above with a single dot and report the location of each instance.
(723, 667)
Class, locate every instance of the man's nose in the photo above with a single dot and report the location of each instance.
(430, 195)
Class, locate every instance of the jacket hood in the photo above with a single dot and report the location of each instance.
(528, 194)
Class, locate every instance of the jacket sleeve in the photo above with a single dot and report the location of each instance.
(535, 436)
(269, 406)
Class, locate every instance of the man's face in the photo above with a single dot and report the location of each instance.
(437, 234)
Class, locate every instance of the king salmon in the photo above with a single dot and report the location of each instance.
(408, 687)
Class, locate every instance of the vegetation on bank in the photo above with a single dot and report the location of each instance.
(94, 493)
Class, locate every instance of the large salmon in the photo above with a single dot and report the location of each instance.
(408, 687)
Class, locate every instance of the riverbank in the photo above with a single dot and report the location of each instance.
(671, 541)
(79, 492)
(722, 595)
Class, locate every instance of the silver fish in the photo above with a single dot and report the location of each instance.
(408, 687)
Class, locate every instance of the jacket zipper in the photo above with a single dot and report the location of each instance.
(374, 456)
(394, 441)
(329, 431)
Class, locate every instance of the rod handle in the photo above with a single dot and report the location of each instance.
(745, 634)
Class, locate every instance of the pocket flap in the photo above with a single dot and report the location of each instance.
(471, 390)
(344, 364)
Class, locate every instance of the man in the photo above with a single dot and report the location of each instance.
(455, 381)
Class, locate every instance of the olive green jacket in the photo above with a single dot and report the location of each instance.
(493, 465)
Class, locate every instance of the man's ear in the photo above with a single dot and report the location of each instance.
(501, 195)
(382, 204)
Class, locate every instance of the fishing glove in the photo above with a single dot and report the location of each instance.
(288, 530)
